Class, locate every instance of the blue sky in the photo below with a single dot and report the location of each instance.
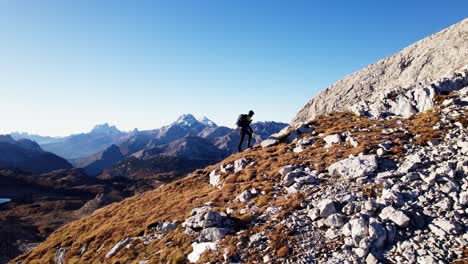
(68, 65)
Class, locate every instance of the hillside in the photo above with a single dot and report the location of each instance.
(342, 187)
(430, 65)
(40, 203)
(26, 155)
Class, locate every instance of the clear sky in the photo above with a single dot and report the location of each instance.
(68, 65)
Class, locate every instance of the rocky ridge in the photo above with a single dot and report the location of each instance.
(428, 66)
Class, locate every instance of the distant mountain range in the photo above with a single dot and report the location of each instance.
(188, 141)
(28, 156)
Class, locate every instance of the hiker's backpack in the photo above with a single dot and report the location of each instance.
(242, 121)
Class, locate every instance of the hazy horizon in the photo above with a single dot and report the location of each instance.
(67, 66)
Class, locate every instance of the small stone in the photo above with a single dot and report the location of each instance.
(437, 230)
(240, 164)
(326, 207)
(215, 179)
(396, 216)
(332, 233)
(335, 220)
(313, 214)
(359, 230)
(332, 140)
(463, 200)
(213, 234)
(371, 259)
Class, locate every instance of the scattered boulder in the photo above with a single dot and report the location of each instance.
(354, 167)
(117, 247)
(246, 195)
(240, 164)
(199, 249)
(396, 216)
(326, 207)
(269, 142)
(215, 179)
(331, 140)
(213, 234)
(335, 220)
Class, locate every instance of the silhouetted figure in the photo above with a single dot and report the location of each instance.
(244, 122)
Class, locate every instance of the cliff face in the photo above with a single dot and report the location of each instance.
(423, 63)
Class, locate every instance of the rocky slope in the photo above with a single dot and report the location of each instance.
(341, 188)
(429, 66)
(26, 155)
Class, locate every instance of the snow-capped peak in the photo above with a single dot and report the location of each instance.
(187, 120)
(205, 120)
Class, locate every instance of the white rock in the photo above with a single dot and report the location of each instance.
(423, 96)
(326, 207)
(245, 196)
(352, 141)
(346, 230)
(298, 149)
(269, 142)
(213, 234)
(313, 214)
(215, 179)
(396, 216)
(402, 106)
(332, 140)
(354, 167)
(463, 200)
(335, 220)
(332, 233)
(240, 164)
(359, 230)
(426, 260)
(114, 250)
(288, 179)
(446, 225)
(286, 169)
(199, 248)
(371, 259)
(60, 255)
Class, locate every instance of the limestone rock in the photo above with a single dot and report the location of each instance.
(426, 61)
(354, 167)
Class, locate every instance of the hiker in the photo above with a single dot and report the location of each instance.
(244, 123)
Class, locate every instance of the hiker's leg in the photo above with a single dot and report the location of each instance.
(239, 148)
(250, 139)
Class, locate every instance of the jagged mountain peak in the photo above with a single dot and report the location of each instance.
(105, 129)
(186, 120)
(205, 120)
